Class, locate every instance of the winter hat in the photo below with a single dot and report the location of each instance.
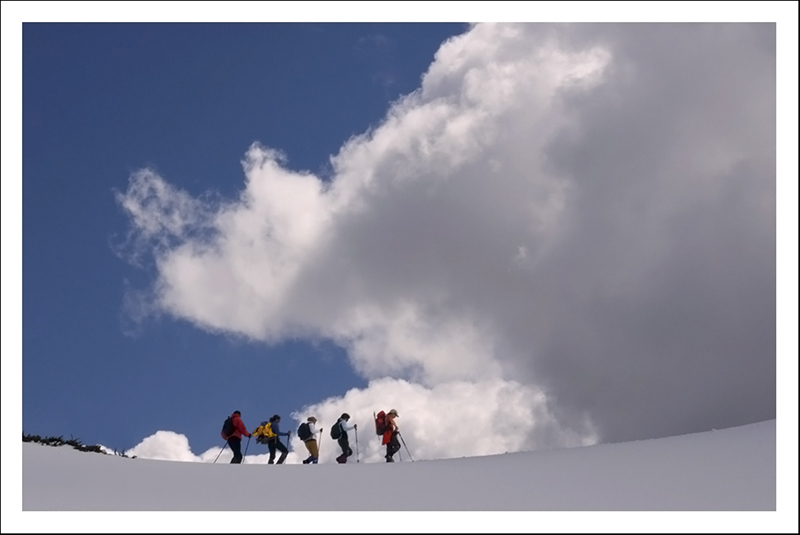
(345, 416)
(237, 412)
(275, 417)
(394, 412)
(312, 419)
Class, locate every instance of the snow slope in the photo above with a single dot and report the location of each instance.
(732, 469)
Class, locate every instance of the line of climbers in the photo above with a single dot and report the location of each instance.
(269, 433)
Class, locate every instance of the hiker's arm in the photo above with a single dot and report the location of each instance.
(242, 429)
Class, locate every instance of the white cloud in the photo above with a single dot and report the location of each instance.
(424, 161)
(451, 419)
(164, 445)
(556, 211)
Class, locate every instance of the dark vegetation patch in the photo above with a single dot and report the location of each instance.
(74, 442)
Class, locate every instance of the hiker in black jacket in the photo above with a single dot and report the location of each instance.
(344, 441)
(274, 443)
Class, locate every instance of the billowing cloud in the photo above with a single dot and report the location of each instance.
(164, 445)
(576, 222)
(452, 419)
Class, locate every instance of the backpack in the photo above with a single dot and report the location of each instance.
(380, 423)
(264, 432)
(227, 428)
(336, 430)
(304, 432)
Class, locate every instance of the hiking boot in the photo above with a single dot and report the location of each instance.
(389, 459)
(306, 461)
(341, 459)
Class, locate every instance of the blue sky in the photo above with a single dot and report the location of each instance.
(187, 100)
(565, 232)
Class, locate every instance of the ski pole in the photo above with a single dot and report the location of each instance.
(404, 444)
(220, 452)
(248, 445)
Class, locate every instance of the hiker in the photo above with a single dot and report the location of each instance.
(274, 443)
(390, 436)
(235, 438)
(343, 440)
(308, 434)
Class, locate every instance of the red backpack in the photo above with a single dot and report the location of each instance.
(380, 423)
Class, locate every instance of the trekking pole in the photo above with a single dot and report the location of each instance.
(319, 442)
(356, 444)
(220, 452)
(404, 444)
(248, 445)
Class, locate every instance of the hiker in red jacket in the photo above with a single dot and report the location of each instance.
(235, 438)
(390, 436)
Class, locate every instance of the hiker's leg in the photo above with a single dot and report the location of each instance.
(236, 448)
(393, 446)
(344, 443)
(283, 450)
(310, 451)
